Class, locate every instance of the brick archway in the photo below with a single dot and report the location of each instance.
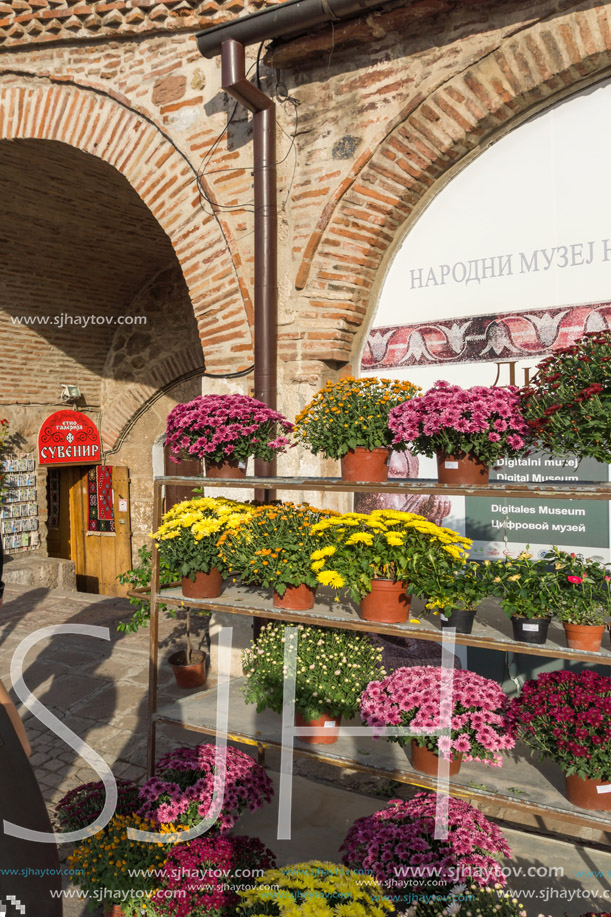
(428, 142)
(108, 128)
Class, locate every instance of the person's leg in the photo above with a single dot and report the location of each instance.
(15, 719)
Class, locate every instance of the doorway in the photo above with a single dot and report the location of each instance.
(99, 548)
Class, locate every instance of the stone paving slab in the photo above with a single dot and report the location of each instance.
(97, 687)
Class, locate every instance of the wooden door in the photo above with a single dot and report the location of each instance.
(100, 556)
(59, 484)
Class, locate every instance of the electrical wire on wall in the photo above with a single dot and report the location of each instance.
(282, 96)
(192, 374)
(214, 207)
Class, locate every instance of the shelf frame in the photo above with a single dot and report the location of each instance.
(263, 740)
(584, 490)
(345, 618)
(550, 490)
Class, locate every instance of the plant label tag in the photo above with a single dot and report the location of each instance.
(451, 464)
(530, 627)
(444, 617)
(330, 724)
(604, 788)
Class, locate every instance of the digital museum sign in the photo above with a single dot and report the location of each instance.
(69, 438)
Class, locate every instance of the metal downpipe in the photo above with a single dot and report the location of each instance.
(234, 82)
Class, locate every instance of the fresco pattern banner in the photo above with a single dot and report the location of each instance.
(511, 336)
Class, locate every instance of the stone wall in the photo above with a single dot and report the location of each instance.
(135, 380)
(387, 106)
(133, 150)
(41, 21)
(143, 359)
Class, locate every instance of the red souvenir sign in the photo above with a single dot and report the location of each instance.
(69, 438)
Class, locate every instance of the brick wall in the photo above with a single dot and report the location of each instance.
(388, 108)
(102, 123)
(78, 244)
(42, 21)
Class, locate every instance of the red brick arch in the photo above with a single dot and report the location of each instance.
(96, 123)
(127, 405)
(361, 225)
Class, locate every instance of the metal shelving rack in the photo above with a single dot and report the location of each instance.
(509, 787)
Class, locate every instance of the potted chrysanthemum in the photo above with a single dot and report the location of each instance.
(398, 846)
(272, 547)
(584, 599)
(568, 402)
(566, 717)
(479, 727)
(224, 430)
(467, 429)
(125, 878)
(184, 784)
(80, 806)
(564, 585)
(315, 887)
(469, 901)
(187, 540)
(383, 558)
(333, 667)
(348, 420)
(201, 877)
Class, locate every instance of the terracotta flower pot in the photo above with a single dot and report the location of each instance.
(459, 618)
(113, 910)
(296, 598)
(584, 636)
(327, 733)
(387, 602)
(206, 585)
(461, 469)
(364, 465)
(227, 469)
(586, 793)
(427, 762)
(192, 675)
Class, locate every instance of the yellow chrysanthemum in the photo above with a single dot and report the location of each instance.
(323, 552)
(453, 551)
(360, 538)
(169, 535)
(394, 539)
(376, 525)
(331, 578)
(394, 514)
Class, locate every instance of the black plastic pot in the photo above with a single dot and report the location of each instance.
(527, 630)
(459, 618)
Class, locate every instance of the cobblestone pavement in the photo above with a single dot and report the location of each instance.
(96, 687)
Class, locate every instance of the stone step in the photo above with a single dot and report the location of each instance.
(34, 569)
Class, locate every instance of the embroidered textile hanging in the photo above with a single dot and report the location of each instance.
(101, 511)
(53, 497)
